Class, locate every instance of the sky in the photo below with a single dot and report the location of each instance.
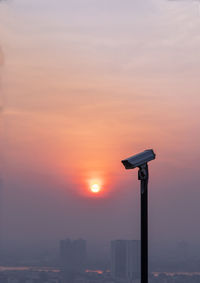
(85, 84)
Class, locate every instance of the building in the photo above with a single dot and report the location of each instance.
(73, 257)
(182, 251)
(125, 259)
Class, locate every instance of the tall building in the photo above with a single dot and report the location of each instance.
(125, 259)
(182, 251)
(73, 257)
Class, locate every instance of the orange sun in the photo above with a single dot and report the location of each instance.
(95, 188)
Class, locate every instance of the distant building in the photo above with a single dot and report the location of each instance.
(73, 257)
(182, 251)
(125, 259)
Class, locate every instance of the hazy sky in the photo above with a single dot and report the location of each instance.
(86, 84)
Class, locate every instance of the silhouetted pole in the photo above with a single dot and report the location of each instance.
(140, 161)
(143, 176)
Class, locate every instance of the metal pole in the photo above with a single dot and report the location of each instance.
(143, 177)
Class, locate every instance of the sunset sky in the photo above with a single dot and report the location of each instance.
(85, 84)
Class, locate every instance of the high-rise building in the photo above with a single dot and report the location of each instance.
(73, 257)
(182, 251)
(125, 259)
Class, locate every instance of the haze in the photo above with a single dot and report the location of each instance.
(84, 85)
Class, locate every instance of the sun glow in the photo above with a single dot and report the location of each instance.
(95, 188)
